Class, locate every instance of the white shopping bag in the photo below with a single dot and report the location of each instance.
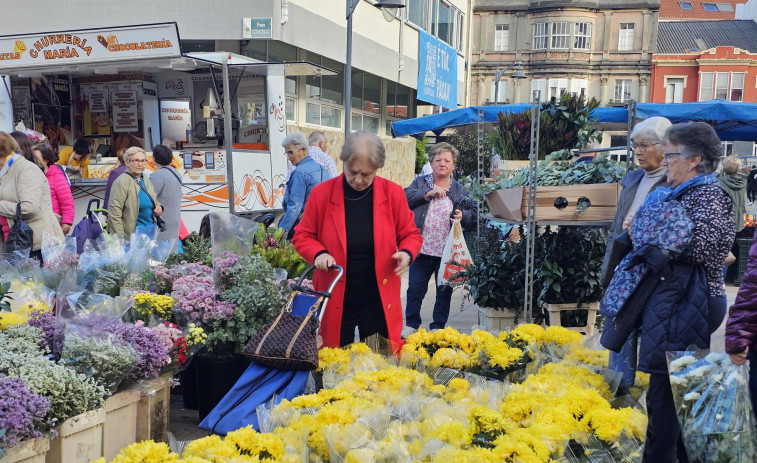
(454, 258)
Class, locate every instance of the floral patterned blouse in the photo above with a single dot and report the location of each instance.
(437, 226)
(710, 208)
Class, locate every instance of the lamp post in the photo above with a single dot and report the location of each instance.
(351, 5)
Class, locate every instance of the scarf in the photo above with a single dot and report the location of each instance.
(665, 193)
(8, 163)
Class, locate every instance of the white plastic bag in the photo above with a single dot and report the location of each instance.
(454, 258)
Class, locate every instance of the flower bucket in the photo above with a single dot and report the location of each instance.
(79, 439)
(554, 316)
(120, 427)
(153, 408)
(30, 451)
(188, 381)
(215, 377)
(496, 319)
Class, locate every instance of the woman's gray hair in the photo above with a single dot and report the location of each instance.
(697, 138)
(443, 147)
(653, 129)
(364, 143)
(129, 153)
(297, 139)
(731, 165)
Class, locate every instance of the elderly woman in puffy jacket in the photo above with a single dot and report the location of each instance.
(23, 183)
(132, 201)
(60, 190)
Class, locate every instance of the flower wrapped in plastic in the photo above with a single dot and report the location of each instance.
(712, 401)
(152, 307)
(181, 344)
(105, 358)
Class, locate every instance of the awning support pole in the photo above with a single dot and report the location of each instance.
(228, 136)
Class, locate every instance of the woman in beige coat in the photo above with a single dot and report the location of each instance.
(22, 182)
(132, 200)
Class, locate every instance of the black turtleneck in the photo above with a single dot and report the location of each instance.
(358, 221)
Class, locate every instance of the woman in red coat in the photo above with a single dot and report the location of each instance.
(361, 222)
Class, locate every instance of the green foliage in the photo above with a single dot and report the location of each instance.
(467, 144)
(258, 299)
(5, 296)
(284, 256)
(420, 154)
(195, 249)
(563, 125)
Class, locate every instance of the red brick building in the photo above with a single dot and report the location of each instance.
(698, 9)
(705, 60)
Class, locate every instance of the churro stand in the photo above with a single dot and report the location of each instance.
(223, 113)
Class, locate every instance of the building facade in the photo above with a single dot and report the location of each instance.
(680, 10)
(597, 48)
(705, 60)
(384, 56)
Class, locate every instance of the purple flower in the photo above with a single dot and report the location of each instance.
(51, 328)
(150, 347)
(21, 412)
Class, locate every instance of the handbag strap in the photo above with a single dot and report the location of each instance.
(18, 212)
(176, 176)
(142, 187)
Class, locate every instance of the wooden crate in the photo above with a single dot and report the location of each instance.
(120, 427)
(554, 316)
(512, 203)
(152, 409)
(79, 439)
(496, 320)
(30, 451)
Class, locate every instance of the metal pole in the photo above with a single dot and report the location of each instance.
(228, 135)
(480, 169)
(631, 123)
(530, 231)
(348, 70)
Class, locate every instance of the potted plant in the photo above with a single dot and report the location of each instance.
(567, 274)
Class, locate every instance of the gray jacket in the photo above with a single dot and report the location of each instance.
(168, 189)
(461, 199)
(630, 184)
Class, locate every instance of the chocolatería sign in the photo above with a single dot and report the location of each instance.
(90, 46)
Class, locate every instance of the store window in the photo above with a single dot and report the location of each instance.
(622, 90)
(625, 37)
(539, 41)
(582, 39)
(674, 89)
(281, 52)
(501, 37)
(560, 32)
(324, 94)
(399, 101)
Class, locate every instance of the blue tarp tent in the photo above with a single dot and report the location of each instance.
(732, 120)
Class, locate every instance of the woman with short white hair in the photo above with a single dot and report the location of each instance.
(132, 201)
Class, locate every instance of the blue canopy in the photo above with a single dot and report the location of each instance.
(732, 120)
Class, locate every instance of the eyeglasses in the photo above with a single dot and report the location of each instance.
(642, 146)
(668, 155)
(139, 161)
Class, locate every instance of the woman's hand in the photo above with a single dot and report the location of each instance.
(158, 210)
(458, 215)
(403, 261)
(66, 227)
(739, 359)
(324, 261)
(436, 191)
(627, 222)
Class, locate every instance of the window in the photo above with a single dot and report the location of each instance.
(398, 103)
(622, 90)
(625, 37)
(686, 5)
(560, 35)
(674, 90)
(582, 36)
(557, 88)
(364, 122)
(501, 37)
(540, 36)
(721, 86)
(579, 87)
(723, 7)
(366, 92)
(324, 94)
(737, 86)
(538, 86)
(501, 97)
(705, 86)
(444, 19)
(417, 13)
(709, 7)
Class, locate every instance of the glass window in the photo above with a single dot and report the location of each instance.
(538, 86)
(445, 23)
(460, 29)
(371, 124)
(583, 36)
(540, 36)
(721, 85)
(709, 7)
(256, 49)
(417, 13)
(372, 93)
(434, 12)
(724, 7)
(737, 86)
(560, 35)
(705, 86)
(333, 86)
(189, 46)
(357, 90)
(331, 117)
(281, 52)
(290, 109)
(622, 90)
(674, 90)
(313, 114)
(501, 96)
(357, 122)
(501, 37)
(290, 85)
(686, 5)
(625, 37)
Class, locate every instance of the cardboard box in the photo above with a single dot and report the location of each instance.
(120, 427)
(79, 439)
(30, 451)
(512, 203)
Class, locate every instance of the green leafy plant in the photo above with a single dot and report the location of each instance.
(420, 154)
(195, 249)
(564, 124)
(467, 144)
(5, 296)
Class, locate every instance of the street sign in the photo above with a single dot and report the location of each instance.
(257, 28)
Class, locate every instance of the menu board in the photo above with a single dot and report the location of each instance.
(175, 117)
(125, 111)
(98, 101)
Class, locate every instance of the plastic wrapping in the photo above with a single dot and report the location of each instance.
(713, 405)
(230, 234)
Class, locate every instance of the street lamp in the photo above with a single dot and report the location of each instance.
(351, 5)
(518, 73)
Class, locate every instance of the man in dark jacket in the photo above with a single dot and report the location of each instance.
(751, 182)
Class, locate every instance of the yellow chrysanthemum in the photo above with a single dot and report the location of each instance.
(146, 451)
(561, 336)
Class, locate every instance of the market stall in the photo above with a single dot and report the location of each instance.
(132, 86)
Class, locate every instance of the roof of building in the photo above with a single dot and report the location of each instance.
(699, 9)
(687, 36)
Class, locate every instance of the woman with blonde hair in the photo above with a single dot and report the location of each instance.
(133, 201)
(23, 186)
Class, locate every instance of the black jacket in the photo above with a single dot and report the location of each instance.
(459, 196)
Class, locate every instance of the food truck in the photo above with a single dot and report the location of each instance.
(222, 113)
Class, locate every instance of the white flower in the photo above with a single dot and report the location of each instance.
(681, 362)
(678, 380)
(717, 377)
(719, 417)
(716, 357)
(700, 372)
(692, 396)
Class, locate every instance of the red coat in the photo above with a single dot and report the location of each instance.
(322, 227)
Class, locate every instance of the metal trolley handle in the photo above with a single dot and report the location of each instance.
(327, 294)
